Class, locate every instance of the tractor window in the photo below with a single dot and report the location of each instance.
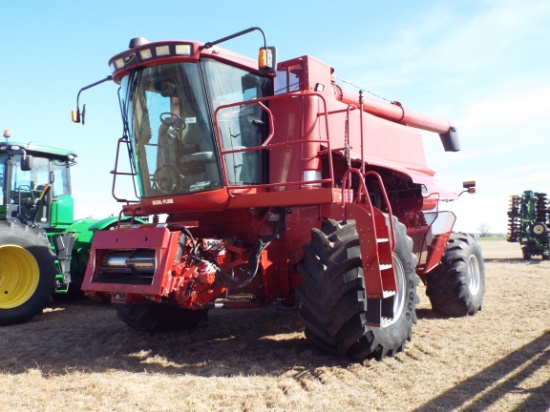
(2, 178)
(27, 187)
(61, 179)
(30, 181)
(241, 126)
(288, 79)
(170, 130)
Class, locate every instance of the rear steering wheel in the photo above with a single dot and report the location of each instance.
(173, 120)
(26, 200)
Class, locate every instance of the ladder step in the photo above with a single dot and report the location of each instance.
(388, 293)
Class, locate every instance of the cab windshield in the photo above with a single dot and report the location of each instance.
(170, 131)
(25, 187)
(169, 118)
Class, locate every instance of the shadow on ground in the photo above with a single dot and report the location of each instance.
(505, 376)
(533, 261)
(87, 336)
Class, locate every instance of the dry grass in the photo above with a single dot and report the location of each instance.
(79, 357)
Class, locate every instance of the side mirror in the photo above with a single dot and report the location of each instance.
(26, 163)
(76, 115)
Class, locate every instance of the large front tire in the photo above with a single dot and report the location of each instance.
(27, 273)
(334, 300)
(159, 317)
(456, 287)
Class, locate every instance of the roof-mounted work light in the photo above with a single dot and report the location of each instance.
(141, 51)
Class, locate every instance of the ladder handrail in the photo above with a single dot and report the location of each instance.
(346, 184)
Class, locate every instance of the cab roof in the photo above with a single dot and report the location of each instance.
(37, 149)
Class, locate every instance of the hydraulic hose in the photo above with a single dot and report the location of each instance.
(228, 281)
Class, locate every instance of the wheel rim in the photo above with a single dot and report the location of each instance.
(538, 229)
(401, 292)
(19, 275)
(473, 275)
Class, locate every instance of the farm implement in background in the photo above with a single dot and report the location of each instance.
(528, 221)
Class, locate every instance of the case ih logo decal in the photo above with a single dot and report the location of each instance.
(128, 59)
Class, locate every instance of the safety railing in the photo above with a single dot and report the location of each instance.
(270, 146)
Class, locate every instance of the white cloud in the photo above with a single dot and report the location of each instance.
(447, 54)
(528, 107)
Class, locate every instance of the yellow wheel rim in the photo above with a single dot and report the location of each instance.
(19, 275)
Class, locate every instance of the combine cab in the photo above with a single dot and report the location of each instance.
(280, 188)
(528, 221)
(43, 249)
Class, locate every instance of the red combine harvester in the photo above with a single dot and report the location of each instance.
(279, 188)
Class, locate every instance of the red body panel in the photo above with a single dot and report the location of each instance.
(159, 240)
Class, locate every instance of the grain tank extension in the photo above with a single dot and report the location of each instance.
(279, 187)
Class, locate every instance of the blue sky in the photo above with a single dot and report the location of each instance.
(484, 65)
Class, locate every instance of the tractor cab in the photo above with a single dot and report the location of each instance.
(35, 185)
(171, 114)
(194, 117)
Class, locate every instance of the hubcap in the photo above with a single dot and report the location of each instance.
(473, 275)
(401, 292)
(538, 229)
(19, 275)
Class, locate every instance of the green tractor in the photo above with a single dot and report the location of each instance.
(43, 249)
(528, 222)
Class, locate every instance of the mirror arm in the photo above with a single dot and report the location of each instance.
(76, 113)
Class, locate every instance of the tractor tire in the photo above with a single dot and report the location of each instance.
(27, 273)
(333, 299)
(539, 229)
(159, 317)
(456, 287)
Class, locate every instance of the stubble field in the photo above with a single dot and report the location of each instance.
(77, 356)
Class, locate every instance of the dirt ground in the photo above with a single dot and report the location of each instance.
(79, 357)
